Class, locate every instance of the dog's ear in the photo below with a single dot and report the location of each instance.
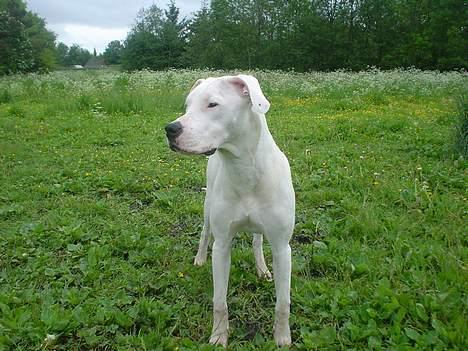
(249, 86)
(197, 83)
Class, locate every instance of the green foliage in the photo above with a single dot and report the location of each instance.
(14, 44)
(156, 41)
(99, 220)
(42, 42)
(74, 55)
(302, 35)
(62, 51)
(199, 37)
(77, 56)
(25, 42)
(113, 53)
(461, 131)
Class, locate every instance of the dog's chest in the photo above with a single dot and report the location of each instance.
(246, 212)
(248, 223)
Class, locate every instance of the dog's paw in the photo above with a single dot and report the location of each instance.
(264, 274)
(219, 339)
(283, 337)
(200, 260)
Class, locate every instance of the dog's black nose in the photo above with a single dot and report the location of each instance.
(173, 130)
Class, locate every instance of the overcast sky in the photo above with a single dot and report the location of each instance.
(94, 23)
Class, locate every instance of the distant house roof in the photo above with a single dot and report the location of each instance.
(77, 66)
(95, 62)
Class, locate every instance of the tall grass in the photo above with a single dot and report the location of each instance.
(461, 131)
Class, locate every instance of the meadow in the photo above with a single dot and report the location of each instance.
(99, 220)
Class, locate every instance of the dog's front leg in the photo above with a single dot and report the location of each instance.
(282, 275)
(221, 264)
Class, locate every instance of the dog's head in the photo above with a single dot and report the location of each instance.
(215, 109)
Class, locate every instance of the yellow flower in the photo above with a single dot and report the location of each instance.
(181, 274)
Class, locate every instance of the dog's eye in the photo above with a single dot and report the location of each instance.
(212, 104)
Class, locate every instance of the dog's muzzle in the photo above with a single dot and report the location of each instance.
(173, 130)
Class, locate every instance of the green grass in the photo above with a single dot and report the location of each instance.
(461, 131)
(99, 220)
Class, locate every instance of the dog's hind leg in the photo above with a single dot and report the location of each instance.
(262, 269)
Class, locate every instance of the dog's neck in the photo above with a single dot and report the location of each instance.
(240, 154)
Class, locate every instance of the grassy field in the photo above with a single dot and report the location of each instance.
(99, 220)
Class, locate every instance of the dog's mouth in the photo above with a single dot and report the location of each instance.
(174, 147)
(210, 152)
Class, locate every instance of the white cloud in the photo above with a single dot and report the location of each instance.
(95, 23)
(89, 37)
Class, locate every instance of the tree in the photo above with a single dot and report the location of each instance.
(15, 46)
(77, 56)
(25, 42)
(74, 55)
(156, 41)
(199, 39)
(42, 42)
(61, 52)
(113, 52)
(172, 37)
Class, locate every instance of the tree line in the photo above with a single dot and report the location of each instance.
(267, 34)
(302, 35)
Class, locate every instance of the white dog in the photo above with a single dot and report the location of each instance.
(249, 187)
